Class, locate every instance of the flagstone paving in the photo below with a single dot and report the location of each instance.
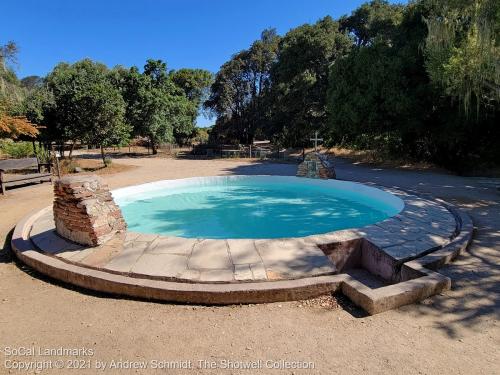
(422, 226)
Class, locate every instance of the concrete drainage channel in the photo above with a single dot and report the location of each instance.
(377, 283)
(366, 274)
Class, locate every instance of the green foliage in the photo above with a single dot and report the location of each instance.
(399, 79)
(39, 108)
(373, 90)
(88, 102)
(194, 82)
(201, 136)
(11, 91)
(32, 82)
(16, 150)
(42, 154)
(373, 22)
(277, 88)
(87, 107)
(388, 77)
(156, 107)
(463, 52)
(383, 97)
(238, 94)
(300, 78)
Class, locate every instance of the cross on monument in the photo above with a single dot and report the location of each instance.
(316, 139)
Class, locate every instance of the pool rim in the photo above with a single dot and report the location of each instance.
(380, 193)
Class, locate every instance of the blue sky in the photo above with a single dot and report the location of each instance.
(190, 33)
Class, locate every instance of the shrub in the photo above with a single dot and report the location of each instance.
(68, 166)
(108, 161)
(42, 154)
(16, 150)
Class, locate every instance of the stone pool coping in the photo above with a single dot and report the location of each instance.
(448, 234)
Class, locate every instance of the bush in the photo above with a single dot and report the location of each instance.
(68, 166)
(108, 161)
(16, 150)
(42, 154)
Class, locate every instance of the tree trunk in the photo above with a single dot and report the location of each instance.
(71, 150)
(153, 146)
(103, 156)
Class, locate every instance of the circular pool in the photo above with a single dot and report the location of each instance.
(252, 206)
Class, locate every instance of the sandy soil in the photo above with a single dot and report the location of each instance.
(453, 333)
(94, 166)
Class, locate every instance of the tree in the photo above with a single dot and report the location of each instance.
(13, 123)
(300, 79)
(194, 82)
(462, 59)
(105, 125)
(11, 91)
(15, 126)
(8, 54)
(238, 92)
(156, 107)
(395, 96)
(201, 136)
(230, 94)
(87, 107)
(32, 82)
(463, 52)
(39, 108)
(379, 94)
(372, 22)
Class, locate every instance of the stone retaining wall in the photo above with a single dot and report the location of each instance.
(84, 210)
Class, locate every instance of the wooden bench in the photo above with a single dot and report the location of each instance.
(15, 179)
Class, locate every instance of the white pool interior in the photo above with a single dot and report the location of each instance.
(222, 207)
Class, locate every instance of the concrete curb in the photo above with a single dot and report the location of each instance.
(457, 246)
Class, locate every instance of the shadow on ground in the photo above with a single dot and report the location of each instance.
(6, 255)
(475, 294)
(114, 155)
(264, 167)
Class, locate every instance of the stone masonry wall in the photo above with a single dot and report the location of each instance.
(316, 165)
(84, 210)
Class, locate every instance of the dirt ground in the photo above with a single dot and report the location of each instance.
(453, 333)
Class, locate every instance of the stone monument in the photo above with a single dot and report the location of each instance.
(316, 165)
(84, 210)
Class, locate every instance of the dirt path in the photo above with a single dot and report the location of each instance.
(454, 333)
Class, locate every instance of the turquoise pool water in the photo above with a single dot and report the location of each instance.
(252, 207)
